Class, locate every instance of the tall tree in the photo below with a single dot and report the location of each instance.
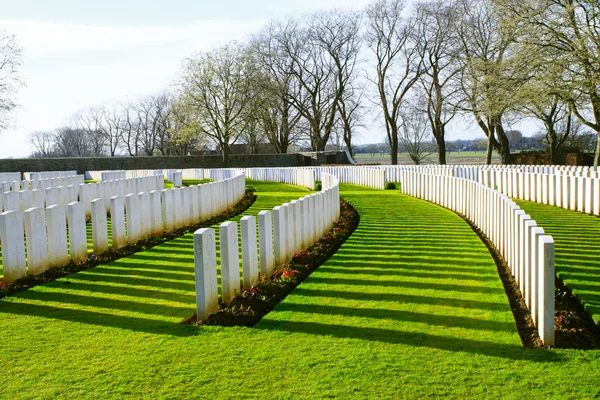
(570, 31)
(394, 41)
(217, 88)
(10, 61)
(440, 57)
(276, 84)
(337, 32)
(491, 74)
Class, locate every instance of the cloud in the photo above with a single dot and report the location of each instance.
(41, 38)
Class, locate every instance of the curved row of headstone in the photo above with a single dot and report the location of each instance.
(113, 175)
(10, 177)
(528, 252)
(31, 176)
(286, 230)
(569, 188)
(292, 176)
(134, 173)
(41, 238)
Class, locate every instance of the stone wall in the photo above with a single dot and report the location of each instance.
(541, 157)
(131, 163)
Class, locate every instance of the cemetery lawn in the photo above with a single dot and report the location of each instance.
(577, 257)
(410, 306)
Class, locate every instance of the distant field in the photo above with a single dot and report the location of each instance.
(463, 157)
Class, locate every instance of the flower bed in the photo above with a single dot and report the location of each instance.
(114, 254)
(252, 304)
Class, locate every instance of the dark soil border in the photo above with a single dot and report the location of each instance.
(115, 254)
(574, 326)
(251, 305)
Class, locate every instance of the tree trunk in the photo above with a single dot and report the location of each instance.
(394, 148)
(490, 147)
(441, 144)
(225, 156)
(504, 144)
(553, 147)
(597, 156)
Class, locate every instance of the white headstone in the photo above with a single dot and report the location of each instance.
(25, 200)
(279, 236)
(265, 229)
(11, 201)
(77, 231)
(132, 207)
(155, 212)
(546, 277)
(37, 245)
(13, 246)
(38, 198)
(230, 261)
(117, 218)
(99, 227)
(205, 265)
(167, 210)
(56, 221)
(52, 196)
(249, 251)
(145, 214)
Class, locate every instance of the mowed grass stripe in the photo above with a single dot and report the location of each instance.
(577, 256)
(424, 270)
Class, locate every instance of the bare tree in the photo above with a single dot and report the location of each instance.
(109, 122)
(337, 32)
(10, 61)
(351, 114)
(398, 61)
(440, 57)
(72, 141)
(42, 141)
(217, 90)
(415, 135)
(276, 85)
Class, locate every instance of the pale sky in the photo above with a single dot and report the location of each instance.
(83, 53)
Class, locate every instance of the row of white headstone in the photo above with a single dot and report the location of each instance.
(568, 190)
(545, 169)
(194, 173)
(364, 176)
(134, 216)
(113, 175)
(175, 177)
(293, 176)
(528, 252)
(287, 230)
(31, 176)
(16, 186)
(10, 177)
(133, 173)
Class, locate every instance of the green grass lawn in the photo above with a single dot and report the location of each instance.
(452, 157)
(411, 306)
(577, 254)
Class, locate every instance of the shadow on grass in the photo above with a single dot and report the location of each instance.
(409, 285)
(400, 315)
(401, 297)
(146, 325)
(416, 339)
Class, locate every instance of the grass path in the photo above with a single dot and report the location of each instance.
(410, 306)
(577, 257)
